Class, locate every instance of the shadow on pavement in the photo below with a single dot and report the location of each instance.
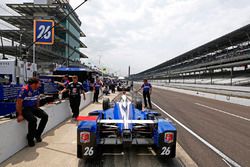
(27, 156)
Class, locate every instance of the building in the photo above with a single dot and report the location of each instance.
(66, 48)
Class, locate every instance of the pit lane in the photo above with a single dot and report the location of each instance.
(59, 149)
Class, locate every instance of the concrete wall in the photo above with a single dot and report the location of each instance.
(231, 94)
(13, 134)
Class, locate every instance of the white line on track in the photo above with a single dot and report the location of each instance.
(217, 151)
(226, 162)
(152, 151)
(215, 109)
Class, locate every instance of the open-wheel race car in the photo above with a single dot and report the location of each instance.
(125, 124)
(123, 87)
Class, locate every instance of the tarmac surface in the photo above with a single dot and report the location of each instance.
(213, 133)
(59, 149)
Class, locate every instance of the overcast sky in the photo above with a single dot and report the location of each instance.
(144, 33)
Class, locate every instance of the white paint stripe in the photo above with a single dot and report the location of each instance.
(123, 113)
(127, 121)
(221, 154)
(111, 121)
(127, 117)
(226, 162)
(234, 115)
(152, 151)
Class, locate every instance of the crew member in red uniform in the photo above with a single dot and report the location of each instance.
(27, 106)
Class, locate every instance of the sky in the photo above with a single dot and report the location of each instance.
(145, 33)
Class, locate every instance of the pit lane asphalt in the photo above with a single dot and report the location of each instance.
(131, 157)
(225, 126)
(59, 149)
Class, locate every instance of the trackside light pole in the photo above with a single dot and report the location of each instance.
(34, 53)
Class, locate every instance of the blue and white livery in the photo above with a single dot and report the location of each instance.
(125, 125)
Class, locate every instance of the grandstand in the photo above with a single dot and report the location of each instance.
(223, 61)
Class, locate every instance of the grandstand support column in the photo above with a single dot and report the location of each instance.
(211, 76)
(231, 76)
(194, 77)
(230, 42)
(12, 42)
(248, 36)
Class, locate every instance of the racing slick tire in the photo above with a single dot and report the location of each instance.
(173, 153)
(138, 103)
(106, 104)
(79, 151)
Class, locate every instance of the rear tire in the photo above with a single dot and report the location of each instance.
(173, 153)
(106, 104)
(138, 103)
(79, 151)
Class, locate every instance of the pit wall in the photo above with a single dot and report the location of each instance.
(13, 134)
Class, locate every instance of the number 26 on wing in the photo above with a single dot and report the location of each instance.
(44, 32)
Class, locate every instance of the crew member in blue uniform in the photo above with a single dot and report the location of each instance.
(63, 84)
(147, 90)
(75, 89)
(27, 106)
(86, 85)
(97, 86)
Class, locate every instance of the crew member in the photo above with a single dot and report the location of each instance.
(112, 86)
(75, 89)
(147, 90)
(64, 83)
(132, 85)
(97, 86)
(27, 106)
(86, 85)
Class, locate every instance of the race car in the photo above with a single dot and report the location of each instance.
(123, 87)
(125, 124)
